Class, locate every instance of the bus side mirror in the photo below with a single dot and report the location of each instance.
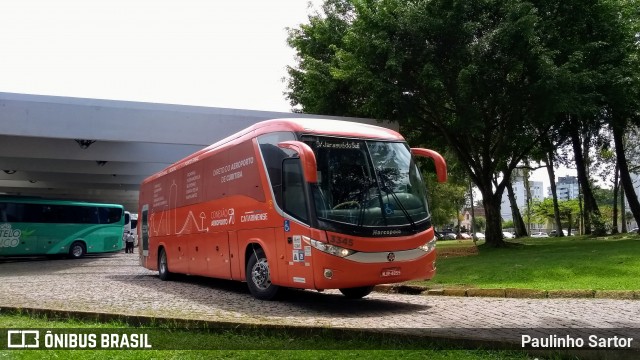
(441, 165)
(307, 158)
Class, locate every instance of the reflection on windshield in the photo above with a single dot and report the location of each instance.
(367, 183)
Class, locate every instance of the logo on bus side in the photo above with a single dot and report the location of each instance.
(255, 215)
(9, 237)
(223, 217)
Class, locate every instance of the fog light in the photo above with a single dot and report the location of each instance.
(328, 273)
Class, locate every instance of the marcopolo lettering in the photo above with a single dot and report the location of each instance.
(386, 232)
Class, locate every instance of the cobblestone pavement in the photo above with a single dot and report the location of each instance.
(115, 283)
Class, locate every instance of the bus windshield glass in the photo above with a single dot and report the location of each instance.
(367, 183)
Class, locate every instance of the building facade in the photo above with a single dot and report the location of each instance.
(520, 190)
(567, 188)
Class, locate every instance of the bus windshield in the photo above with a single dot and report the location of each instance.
(367, 183)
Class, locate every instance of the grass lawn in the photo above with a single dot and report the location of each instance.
(242, 344)
(576, 262)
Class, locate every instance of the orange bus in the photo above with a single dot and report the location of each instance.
(300, 203)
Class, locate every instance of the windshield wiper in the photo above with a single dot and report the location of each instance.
(385, 188)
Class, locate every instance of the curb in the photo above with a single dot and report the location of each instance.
(509, 292)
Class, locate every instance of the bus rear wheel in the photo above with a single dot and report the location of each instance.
(77, 250)
(356, 292)
(163, 266)
(258, 277)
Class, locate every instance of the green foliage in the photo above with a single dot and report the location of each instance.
(603, 196)
(312, 83)
(480, 222)
(605, 219)
(507, 224)
(445, 201)
(569, 211)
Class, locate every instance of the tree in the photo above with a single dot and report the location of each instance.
(490, 79)
(519, 226)
(445, 200)
(585, 38)
(568, 212)
(468, 73)
(312, 85)
(622, 90)
(479, 223)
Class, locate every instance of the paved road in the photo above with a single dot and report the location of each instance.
(115, 283)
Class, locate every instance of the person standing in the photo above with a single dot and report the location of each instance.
(129, 239)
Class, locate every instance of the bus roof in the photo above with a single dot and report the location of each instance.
(311, 126)
(38, 200)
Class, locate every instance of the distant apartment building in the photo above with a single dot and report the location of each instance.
(520, 191)
(567, 188)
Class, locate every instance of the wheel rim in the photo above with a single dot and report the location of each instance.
(77, 250)
(260, 274)
(163, 263)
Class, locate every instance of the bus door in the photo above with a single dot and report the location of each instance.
(296, 235)
(143, 249)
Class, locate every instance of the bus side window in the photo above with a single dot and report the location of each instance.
(3, 212)
(273, 156)
(293, 190)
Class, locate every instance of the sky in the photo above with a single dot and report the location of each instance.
(230, 54)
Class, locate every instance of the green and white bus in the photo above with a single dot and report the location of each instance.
(34, 226)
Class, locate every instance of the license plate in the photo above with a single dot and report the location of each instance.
(395, 271)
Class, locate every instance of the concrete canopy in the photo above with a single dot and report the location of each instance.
(101, 150)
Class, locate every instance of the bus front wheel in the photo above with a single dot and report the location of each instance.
(77, 250)
(356, 292)
(258, 276)
(163, 266)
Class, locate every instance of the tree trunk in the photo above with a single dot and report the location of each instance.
(472, 227)
(591, 211)
(493, 232)
(554, 194)
(527, 192)
(625, 178)
(623, 210)
(518, 224)
(614, 225)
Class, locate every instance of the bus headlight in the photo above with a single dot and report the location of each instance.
(331, 249)
(429, 246)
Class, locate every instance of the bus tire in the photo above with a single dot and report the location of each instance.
(356, 292)
(77, 250)
(163, 266)
(259, 278)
